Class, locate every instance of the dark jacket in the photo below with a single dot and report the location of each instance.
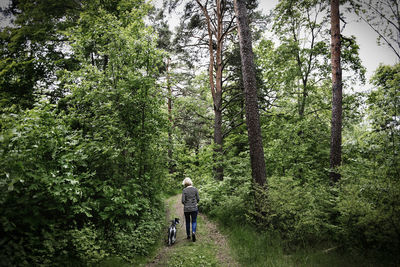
(190, 198)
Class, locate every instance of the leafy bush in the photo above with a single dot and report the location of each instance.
(138, 238)
(300, 212)
(369, 210)
(81, 180)
(226, 200)
(57, 201)
(87, 244)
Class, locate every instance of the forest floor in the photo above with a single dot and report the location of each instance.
(210, 249)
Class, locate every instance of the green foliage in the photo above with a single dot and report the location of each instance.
(369, 205)
(82, 169)
(384, 111)
(253, 247)
(193, 115)
(227, 200)
(32, 50)
(369, 210)
(138, 238)
(80, 180)
(299, 211)
(297, 148)
(191, 131)
(87, 245)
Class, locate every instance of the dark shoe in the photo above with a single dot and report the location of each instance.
(188, 237)
(194, 237)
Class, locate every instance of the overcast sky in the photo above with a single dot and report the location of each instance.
(371, 54)
(3, 4)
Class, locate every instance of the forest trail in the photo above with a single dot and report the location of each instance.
(210, 249)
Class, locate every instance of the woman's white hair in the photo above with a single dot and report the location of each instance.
(187, 182)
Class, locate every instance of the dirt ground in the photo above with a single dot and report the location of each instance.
(210, 249)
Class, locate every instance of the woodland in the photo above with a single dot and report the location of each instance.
(105, 109)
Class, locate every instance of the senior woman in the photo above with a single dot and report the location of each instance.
(190, 198)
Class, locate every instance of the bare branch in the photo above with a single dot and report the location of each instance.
(382, 36)
(229, 29)
(383, 16)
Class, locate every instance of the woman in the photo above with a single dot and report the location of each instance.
(190, 198)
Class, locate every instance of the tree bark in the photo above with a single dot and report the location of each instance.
(249, 82)
(170, 161)
(218, 141)
(216, 30)
(336, 123)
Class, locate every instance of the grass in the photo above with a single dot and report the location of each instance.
(183, 253)
(170, 203)
(252, 249)
(188, 253)
(114, 262)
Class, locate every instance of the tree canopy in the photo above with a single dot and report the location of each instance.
(105, 109)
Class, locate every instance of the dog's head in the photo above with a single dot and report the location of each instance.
(175, 221)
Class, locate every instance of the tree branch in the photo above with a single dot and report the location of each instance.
(231, 100)
(383, 37)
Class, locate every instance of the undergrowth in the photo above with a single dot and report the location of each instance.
(254, 248)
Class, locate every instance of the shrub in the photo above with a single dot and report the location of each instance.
(300, 212)
(369, 213)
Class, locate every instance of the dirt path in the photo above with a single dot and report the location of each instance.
(210, 249)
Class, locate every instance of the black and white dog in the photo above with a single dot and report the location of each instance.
(172, 232)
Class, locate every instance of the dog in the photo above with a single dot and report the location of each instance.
(172, 232)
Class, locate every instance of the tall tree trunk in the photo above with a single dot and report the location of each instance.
(218, 142)
(216, 88)
(336, 123)
(170, 161)
(218, 136)
(249, 81)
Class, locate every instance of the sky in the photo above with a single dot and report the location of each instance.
(3, 4)
(371, 54)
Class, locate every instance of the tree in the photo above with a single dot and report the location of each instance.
(301, 27)
(384, 113)
(303, 31)
(219, 25)
(164, 35)
(383, 16)
(206, 35)
(169, 103)
(250, 89)
(33, 50)
(193, 120)
(296, 73)
(336, 123)
(85, 174)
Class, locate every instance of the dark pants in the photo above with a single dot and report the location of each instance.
(193, 215)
